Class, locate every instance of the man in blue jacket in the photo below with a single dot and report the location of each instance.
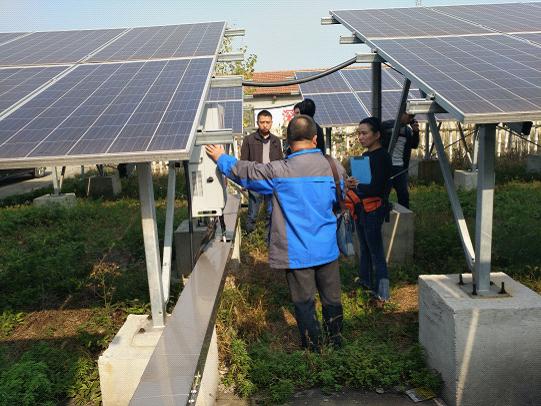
(303, 225)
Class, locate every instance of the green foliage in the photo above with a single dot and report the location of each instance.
(245, 68)
(86, 387)
(8, 321)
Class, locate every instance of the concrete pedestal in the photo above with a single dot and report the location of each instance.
(182, 246)
(413, 166)
(429, 171)
(63, 199)
(486, 349)
(398, 236)
(465, 180)
(104, 186)
(122, 364)
(533, 164)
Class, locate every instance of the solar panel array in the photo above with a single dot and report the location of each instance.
(477, 73)
(343, 98)
(9, 36)
(231, 100)
(145, 105)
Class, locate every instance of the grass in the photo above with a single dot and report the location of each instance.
(260, 354)
(68, 279)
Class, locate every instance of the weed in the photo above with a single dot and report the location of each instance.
(8, 321)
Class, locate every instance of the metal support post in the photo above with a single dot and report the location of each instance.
(190, 218)
(376, 89)
(465, 144)
(56, 181)
(453, 197)
(401, 110)
(328, 140)
(168, 237)
(427, 142)
(151, 242)
(475, 147)
(485, 207)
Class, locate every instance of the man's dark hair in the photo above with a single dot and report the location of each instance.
(264, 113)
(301, 128)
(298, 106)
(308, 107)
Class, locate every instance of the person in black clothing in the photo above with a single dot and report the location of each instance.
(308, 107)
(373, 210)
(408, 139)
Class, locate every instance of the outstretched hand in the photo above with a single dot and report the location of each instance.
(214, 151)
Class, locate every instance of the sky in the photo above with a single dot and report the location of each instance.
(285, 35)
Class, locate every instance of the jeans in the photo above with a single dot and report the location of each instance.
(303, 284)
(254, 203)
(373, 271)
(400, 184)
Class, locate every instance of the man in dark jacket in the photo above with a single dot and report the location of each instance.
(303, 229)
(408, 138)
(308, 107)
(261, 147)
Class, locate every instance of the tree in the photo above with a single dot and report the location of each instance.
(244, 68)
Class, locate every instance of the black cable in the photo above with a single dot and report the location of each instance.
(299, 81)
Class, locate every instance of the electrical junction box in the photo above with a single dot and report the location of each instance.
(207, 184)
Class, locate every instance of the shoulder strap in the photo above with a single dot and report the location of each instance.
(339, 196)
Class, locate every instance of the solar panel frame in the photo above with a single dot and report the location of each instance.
(18, 83)
(405, 22)
(466, 98)
(360, 80)
(20, 155)
(51, 48)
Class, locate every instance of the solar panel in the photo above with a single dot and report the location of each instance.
(328, 84)
(361, 79)
(480, 79)
(337, 109)
(102, 110)
(225, 93)
(17, 83)
(403, 22)
(232, 114)
(187, 40)
(56, 47)
(532, 37)
(8, 36)
(505, 18)
(390, 101)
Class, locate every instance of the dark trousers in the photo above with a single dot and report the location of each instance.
(303, 284)
(400, 184)
(254, 203)
(373, 271)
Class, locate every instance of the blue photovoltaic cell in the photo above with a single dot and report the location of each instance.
(232, 114)
(532, 37)
(477, 77)
(327, 84)
(17, 83)
(337, 109)
(403, 22)
(186, 40)
(505, 18)
(55, 47)
(8, 36)
(110, 108)
(225, 93)
(361, 79)
(389, 103)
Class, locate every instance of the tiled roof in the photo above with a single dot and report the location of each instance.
(277, 76)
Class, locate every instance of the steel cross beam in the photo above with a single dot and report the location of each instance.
(453, 197)
(485, 207)
(168, 237)
(151, 243)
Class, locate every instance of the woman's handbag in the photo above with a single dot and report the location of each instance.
(344, 221)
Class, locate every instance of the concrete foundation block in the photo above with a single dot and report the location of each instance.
(104, 186)
(63, 199)
(413, 166)
(182, 246)
(122, 364)
(533, 164)
(486, 349)
(429, 171)
(398, 236)
(465, 180)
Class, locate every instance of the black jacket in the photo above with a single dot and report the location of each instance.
(252, 148)
(412, 139)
